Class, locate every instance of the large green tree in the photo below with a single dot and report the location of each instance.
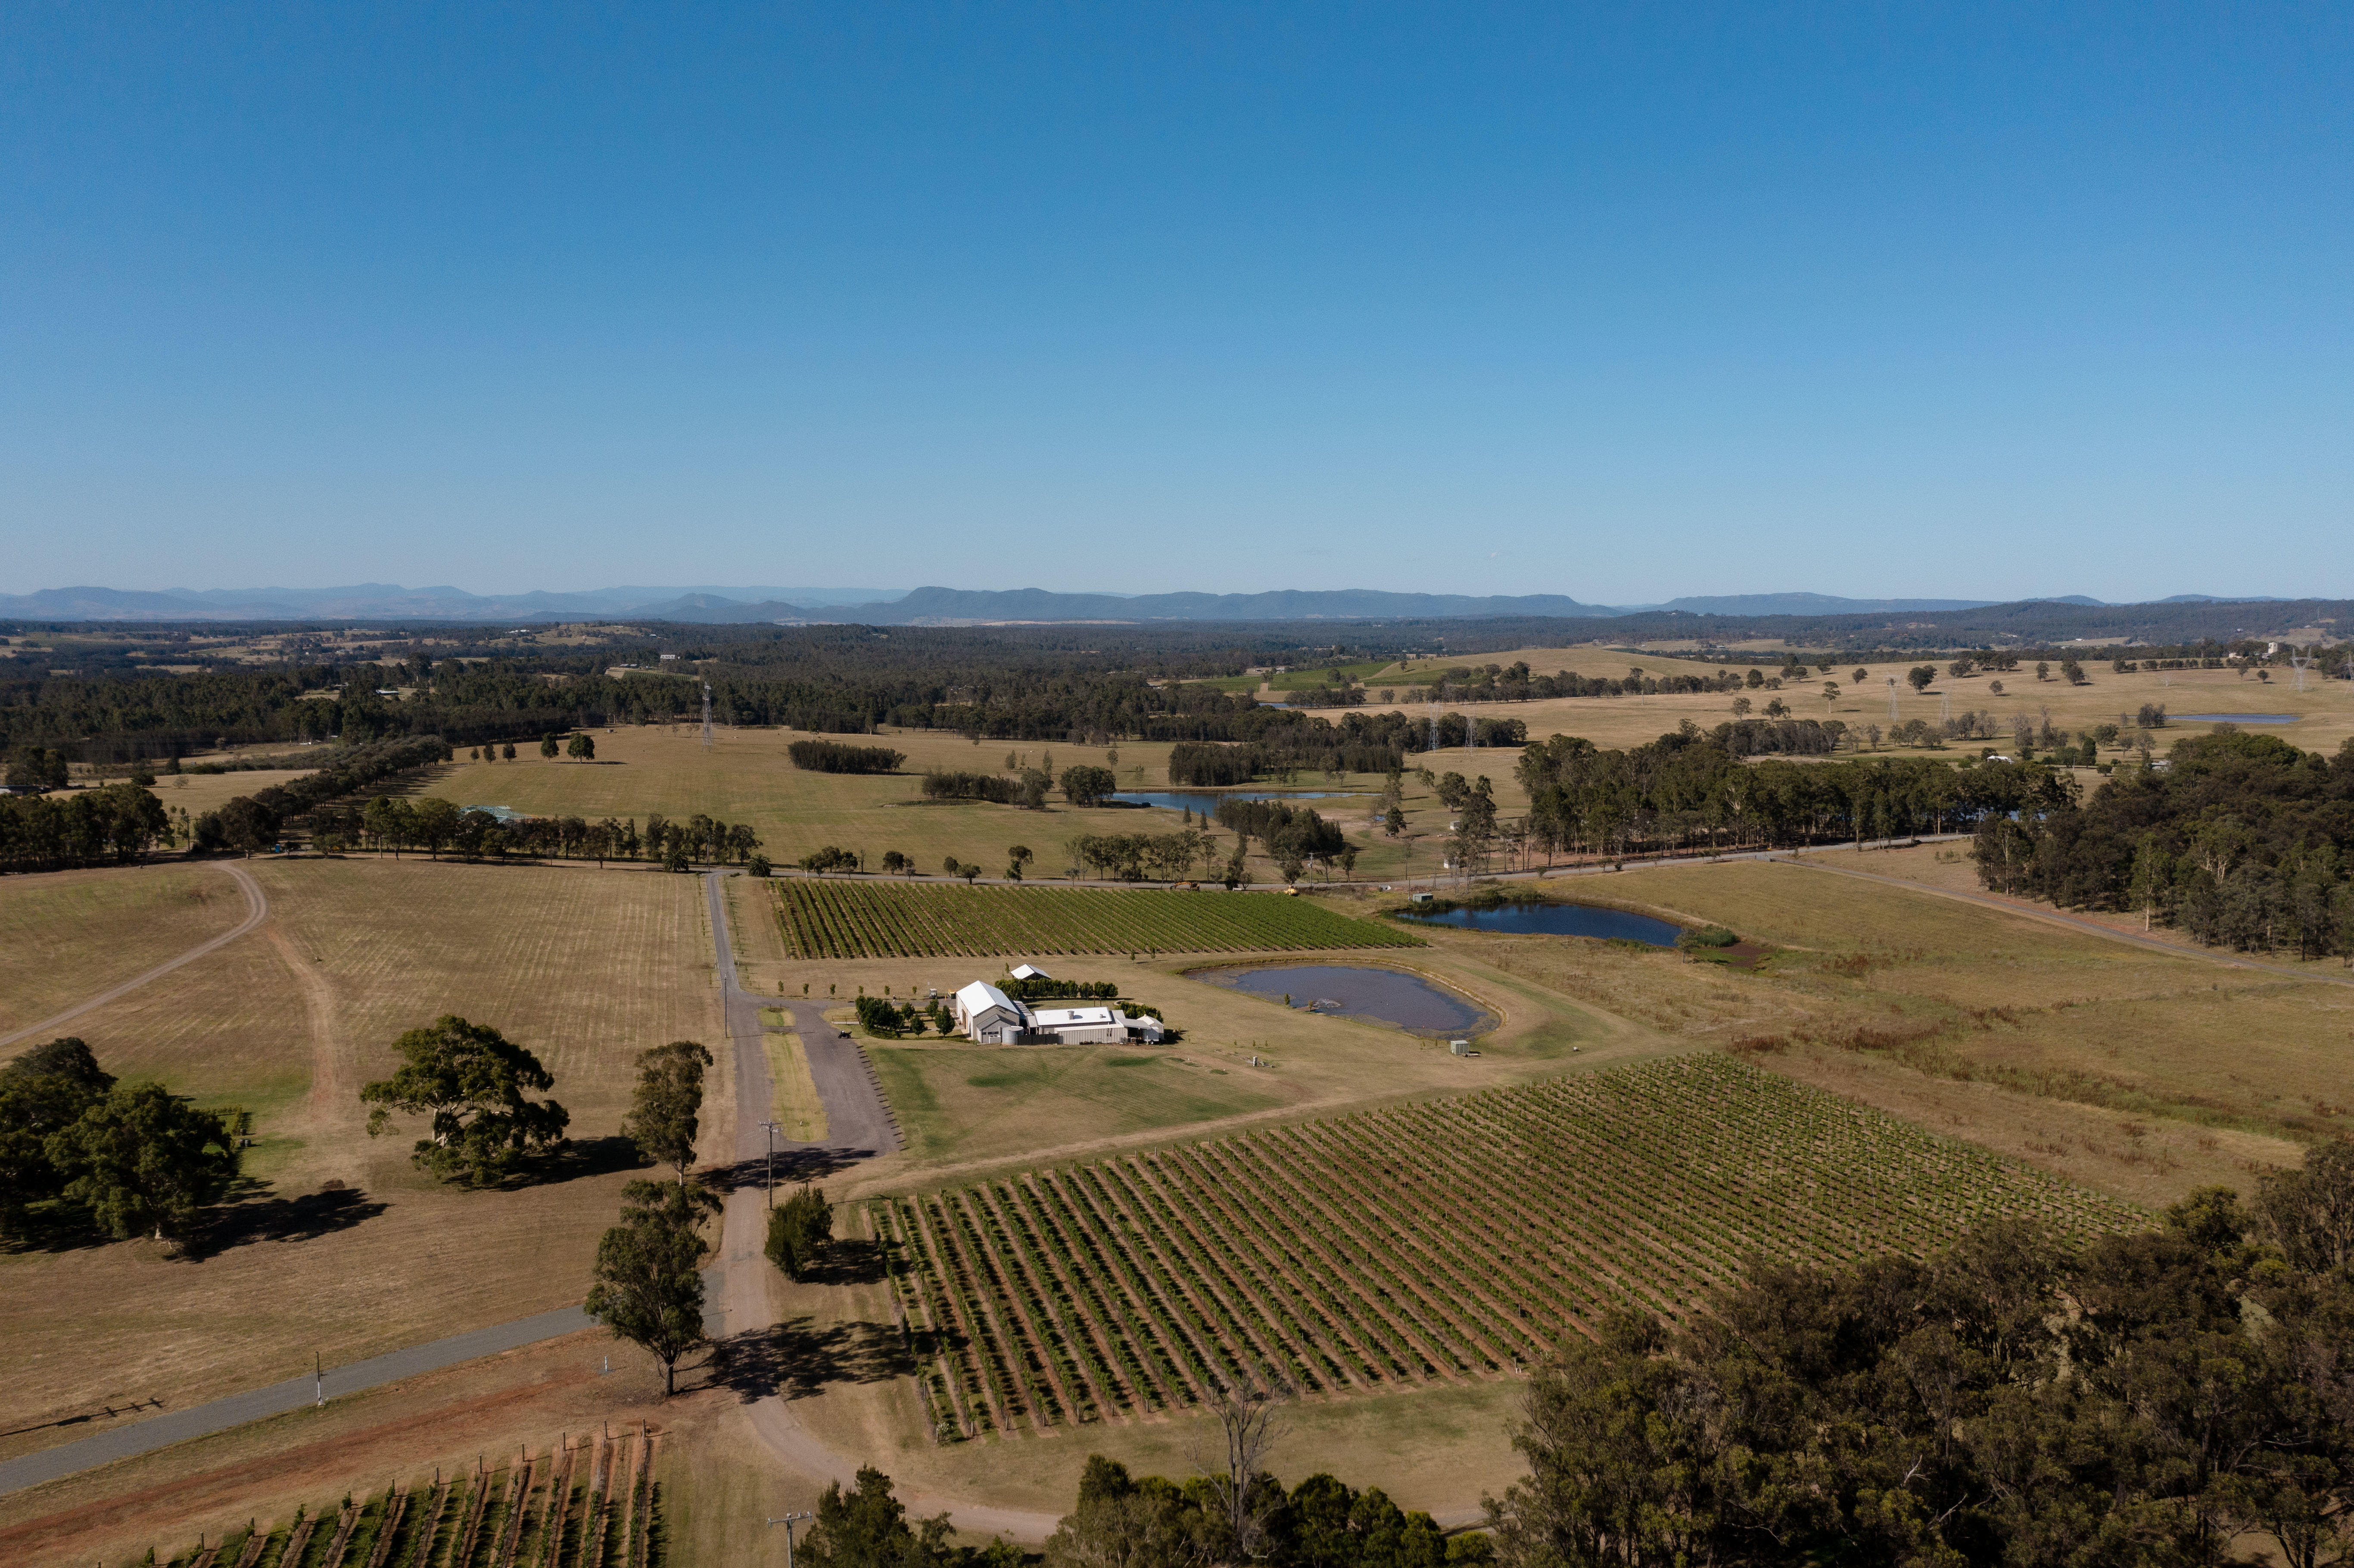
(666, 1106)
(1088, 786)
(473, 1081)
(41, 1092)
(649, 1272)
(145, 1161)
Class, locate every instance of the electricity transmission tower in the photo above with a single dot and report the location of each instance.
(706, 716)
(1891, 699)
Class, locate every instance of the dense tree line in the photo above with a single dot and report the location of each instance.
(1293, 834)
(2174, 1397)
(246, 824)
(1690, 788)
(113, 823)
(2239, 838)
(390, 824)
(1027, 788)
(834, 757)
(1038, 988)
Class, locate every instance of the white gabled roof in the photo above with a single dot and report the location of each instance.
(1074, 1017)
(980, 996)
(1031, 972)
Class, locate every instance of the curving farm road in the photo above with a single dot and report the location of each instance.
(256, 906)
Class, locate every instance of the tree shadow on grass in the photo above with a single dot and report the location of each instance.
(582, 1157)
(57, 1226)
(848, 1260)
(799, 1357)
(304, 1218)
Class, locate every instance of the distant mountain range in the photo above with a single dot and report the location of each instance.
(389, 601)
(924, 606)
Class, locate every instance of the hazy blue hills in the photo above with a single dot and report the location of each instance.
(737, 605)
(390, 601)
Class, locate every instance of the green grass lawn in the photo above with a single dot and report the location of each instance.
(971, 1104)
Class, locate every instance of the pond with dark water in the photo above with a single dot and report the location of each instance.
(1558, 920)
(1356, 991)
(1203, 804)
(2233, 718)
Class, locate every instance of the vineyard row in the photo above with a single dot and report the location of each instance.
(1443, 1242)
(591, 1504)
(823, 919)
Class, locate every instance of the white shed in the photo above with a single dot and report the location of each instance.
(988, 1017)
(1031, 972)
(1082, 1025)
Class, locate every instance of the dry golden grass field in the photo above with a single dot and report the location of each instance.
(2324, 708)
(197, 794)
(746, 777)
(585, 968)
(67, 934)
(2216, 1068)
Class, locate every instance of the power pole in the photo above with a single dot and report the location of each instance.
(788, 1521)
(772, 1129)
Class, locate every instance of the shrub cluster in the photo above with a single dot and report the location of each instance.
(880, 1015)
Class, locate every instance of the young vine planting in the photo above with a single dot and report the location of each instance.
(1438, 1242)
(901, 920)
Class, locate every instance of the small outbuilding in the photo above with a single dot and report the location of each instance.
(1031, 972)
(1082, 1025)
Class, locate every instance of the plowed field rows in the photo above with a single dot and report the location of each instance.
(902, 920)
(1444, 1241)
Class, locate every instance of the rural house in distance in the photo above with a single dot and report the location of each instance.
(987, 1016)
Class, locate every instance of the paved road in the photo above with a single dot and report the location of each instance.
(257, 909)
(858, 1126)
(236, 1409)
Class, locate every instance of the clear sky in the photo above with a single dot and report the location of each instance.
(1967, 301)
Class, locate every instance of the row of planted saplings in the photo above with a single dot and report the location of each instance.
(590, 1503)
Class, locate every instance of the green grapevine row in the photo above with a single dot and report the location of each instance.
(823, 919)
(1441, 1241)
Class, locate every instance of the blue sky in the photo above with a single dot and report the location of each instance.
(1972, 301)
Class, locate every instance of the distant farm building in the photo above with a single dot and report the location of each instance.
(987, 1016)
